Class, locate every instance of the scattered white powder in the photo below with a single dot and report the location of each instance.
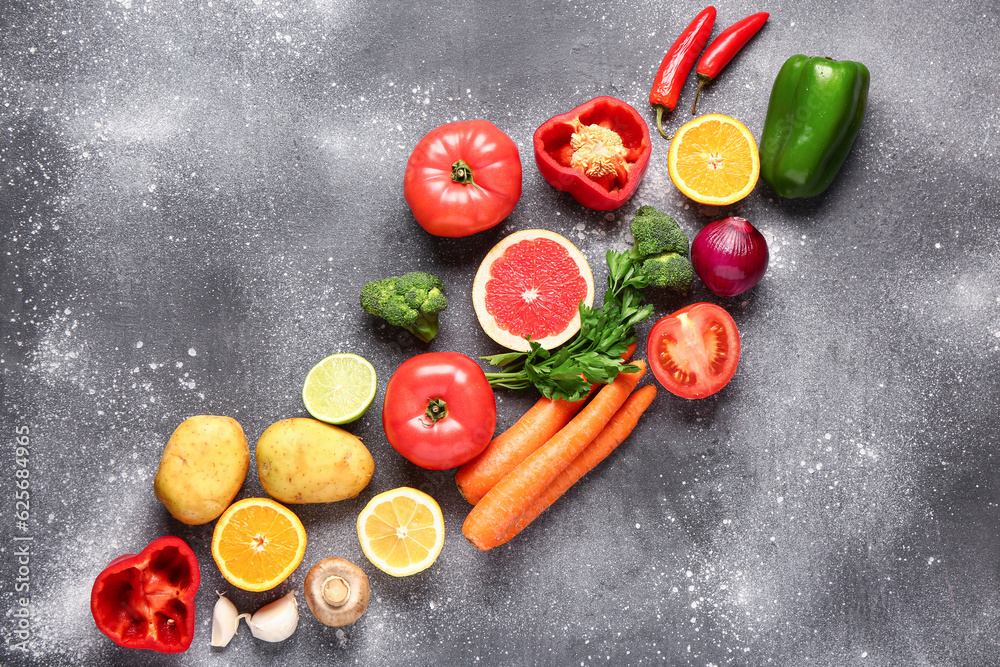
(776, 500)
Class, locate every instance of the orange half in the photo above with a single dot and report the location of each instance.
(258, 543)
(713, 160)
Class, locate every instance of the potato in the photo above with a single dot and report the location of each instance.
(303, 460)
(202, 468)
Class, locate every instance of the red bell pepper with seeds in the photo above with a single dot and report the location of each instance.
(598, 152)
(677, 64)
(146, 600)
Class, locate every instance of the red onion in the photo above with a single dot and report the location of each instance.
(730, 256)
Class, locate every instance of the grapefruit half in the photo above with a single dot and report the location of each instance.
(531, 283)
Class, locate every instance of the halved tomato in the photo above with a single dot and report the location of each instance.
(694, 352)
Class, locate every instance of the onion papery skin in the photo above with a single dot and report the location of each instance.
(730, 256)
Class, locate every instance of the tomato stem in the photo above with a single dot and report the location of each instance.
(436, 409)
(462, 172)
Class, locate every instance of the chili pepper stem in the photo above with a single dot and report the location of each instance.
(659, 121)
(702, 80)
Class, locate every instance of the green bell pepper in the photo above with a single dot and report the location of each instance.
(813, 116)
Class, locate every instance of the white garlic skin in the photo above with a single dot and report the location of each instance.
(225, 620)
(277, 621)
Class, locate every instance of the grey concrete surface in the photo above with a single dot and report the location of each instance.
(192, 194)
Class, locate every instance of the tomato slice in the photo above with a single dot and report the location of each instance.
(694, 352)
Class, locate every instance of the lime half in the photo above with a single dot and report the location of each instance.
(340, 388)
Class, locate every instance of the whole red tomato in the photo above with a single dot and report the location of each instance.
(463, 178)
(439, 410)
(694, 352)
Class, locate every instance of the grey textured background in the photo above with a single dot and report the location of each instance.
(192, 194)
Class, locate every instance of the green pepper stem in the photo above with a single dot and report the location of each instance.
(702, 80)
(659, 121)
(461, 172)
(436, 409)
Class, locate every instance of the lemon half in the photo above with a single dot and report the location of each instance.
(401, 531)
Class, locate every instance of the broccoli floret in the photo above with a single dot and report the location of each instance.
(412, 301)
(670, 270)
(661, 250)
(656, 232)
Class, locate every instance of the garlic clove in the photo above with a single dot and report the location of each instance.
(277, 621)
(225, 620)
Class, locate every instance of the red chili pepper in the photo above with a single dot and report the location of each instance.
(677, 64)
(146, 600)
(725, 46)
(598, 152)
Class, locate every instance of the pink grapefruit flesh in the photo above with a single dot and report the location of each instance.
(531, 284)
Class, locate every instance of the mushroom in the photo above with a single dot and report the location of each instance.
(336, 591)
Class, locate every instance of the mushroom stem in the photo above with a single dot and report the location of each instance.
(336, 591)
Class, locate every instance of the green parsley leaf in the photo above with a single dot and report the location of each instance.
(594, 355)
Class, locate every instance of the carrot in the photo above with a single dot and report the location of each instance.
(619, 428)
(489, 521)
(542, 421)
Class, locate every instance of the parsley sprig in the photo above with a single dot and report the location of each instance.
(594, 356)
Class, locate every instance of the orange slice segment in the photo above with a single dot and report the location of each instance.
(258, 543)
(713, 160)
(401, 531)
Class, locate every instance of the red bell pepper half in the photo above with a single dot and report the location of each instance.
(146, 600)
(598, 152)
